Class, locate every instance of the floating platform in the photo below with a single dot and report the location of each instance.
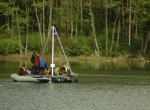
(36, 78)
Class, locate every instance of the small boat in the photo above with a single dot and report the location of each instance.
(29, 78)
(63, 78)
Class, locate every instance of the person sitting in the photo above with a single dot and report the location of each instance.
(62, 70)
(22, 71)
(43, 66)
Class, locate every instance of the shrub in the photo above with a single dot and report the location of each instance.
(80, 47)
(9, 46)
(34, 43)
(124, 48)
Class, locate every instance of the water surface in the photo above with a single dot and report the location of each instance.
(102, 86)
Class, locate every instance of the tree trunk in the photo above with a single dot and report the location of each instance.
(50, 17)
(12, 26)
(146, 42)
(12, 20)
(123, 18)
(142, 43)
(39, 25)
(76, 25)
(66, 22)
(71, 20)
(136, 27)
(93, 30)
(118, 33)
(18, 29)
(129, 22)
(43, 22)
(113, 35)
(27, 28)
(106, 27)
(81, 15)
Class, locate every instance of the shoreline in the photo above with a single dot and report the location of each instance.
(28, 56)
(60, 57)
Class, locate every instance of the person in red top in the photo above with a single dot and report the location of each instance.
(22, 71)
(37, 63)
(62, 70)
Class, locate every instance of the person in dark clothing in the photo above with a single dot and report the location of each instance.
(33, 58)
(33, 61)
(43, 66)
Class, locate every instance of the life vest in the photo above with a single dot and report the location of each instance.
(50, 74)
(42, 63)
(62, 68)
(22, 71)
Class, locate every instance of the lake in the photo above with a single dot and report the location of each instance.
(103, 85)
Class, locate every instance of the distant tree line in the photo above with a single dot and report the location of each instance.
(98, 27)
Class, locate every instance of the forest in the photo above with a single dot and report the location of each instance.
(109, 28)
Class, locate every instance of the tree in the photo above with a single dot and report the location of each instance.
(106, 25)
(81, 15)
(27, 27)
(90, 12)
(39, 20)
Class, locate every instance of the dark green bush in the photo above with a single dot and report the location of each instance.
(80, 47)
(9, 46)
(34, 43)
(124, 48)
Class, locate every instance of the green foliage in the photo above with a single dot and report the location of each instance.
(66, 17)
(9, 46)
(34, 43)
(80, 47)
(124, 48)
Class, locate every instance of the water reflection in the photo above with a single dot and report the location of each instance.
(79, 64)
(93, 70)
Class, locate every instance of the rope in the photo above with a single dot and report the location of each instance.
(55, 33)
(63, 50)
(46, 44)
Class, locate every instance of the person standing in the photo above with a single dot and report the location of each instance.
(33, 61)
(43, 67)
(37, 63)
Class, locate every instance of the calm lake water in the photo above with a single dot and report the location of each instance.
(103, 85)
